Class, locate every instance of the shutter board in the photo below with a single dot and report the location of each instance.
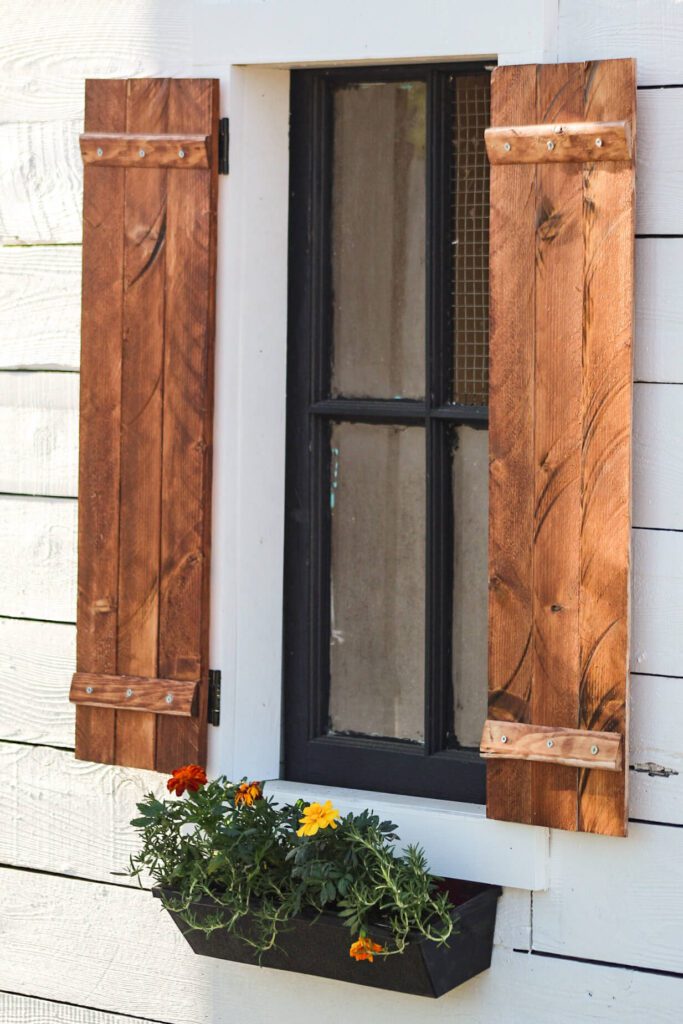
(146, 416)
(561, 265)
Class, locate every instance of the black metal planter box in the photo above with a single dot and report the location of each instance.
(319, 945)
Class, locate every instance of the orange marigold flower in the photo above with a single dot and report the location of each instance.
(317, 816)
(247, 793)
(364, 948)
(190, 776)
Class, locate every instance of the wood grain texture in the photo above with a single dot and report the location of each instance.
(161, 432)
(188, 419)
(609, 225)
(577, 398)
(137, 693)
(100, 419)
(560, 143)
(39, 430)
(38, 558)
(107, 942)
(511, 466)
(40, 307)
(109, 149)
(37, 660)
(144, 307)
(578, 748)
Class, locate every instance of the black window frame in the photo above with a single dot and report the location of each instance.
(438, 769)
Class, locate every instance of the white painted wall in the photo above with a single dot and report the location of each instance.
(77, 943)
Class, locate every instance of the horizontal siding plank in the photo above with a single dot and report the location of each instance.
(614, 899)
(40, 307)
(656, 719)
(657, 603)
(37, 660)
(39, 430)
(38, 558)
(70, 816)
(47, 50)
(26, 1010)
(658, 353)
(658, 456)
(649, 30)
(113, 949)
(659, 206)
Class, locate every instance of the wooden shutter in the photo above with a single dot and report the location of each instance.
(561, 148)
(150, 152)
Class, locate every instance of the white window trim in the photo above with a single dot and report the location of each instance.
(249, 467)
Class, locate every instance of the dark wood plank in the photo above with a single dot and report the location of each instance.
(134, 693)
(557, 445)
(580, 748)
(560, 143)
(188, 411)
(141, 419)
(108, 149)
(511, 491)
(98, 507)
(609, 228)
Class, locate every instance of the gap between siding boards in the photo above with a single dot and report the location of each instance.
(81, 1006)
(77, 878)
(600, 963)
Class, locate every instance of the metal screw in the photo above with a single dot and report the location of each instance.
(503, 739)
(557, 129)
(598, 143)
(129, 692)
(141, 152)
(100, 151)
(169, 698)
(88, 689)
(550, 144)
(507, 147)
(181, 153)
(551, 743)
(594, 749)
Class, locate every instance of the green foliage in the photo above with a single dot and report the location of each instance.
(249, 860)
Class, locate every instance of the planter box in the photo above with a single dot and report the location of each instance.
(319, 945)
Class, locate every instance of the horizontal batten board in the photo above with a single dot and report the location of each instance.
(42, 175)
(70, 816)
(658, 352)
(39, 431)
(16, 1009)
(47, 50)
(40, 307)
(649, 30)
(37, 660)
(614, 899)
(656, 727)
(116, 950)
(657, 602)
(658, 456)
(38, 558)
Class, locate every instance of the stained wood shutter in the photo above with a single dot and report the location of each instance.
(561, 266)
(150, 152)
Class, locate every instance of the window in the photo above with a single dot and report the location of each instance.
(387, 454)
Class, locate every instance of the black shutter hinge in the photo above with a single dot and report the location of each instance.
(214, 711)
(224, 145)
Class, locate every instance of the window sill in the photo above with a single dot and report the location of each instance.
(459, 840)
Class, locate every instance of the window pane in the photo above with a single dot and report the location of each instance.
(470, 584)
(378, 240)
(378, 580)
(471, 116)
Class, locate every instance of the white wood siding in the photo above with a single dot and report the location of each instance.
(79, 945)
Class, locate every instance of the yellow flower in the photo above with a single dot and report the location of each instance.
(317, 816)
(247, 793)
(364, 948)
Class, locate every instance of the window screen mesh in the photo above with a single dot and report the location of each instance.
(471, 116)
